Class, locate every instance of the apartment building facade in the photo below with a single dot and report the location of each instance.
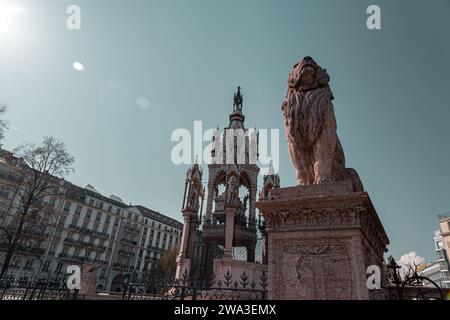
(86, 228)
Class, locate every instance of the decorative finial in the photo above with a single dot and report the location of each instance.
(238, 100)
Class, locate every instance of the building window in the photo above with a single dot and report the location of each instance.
(67, 206)
(46, 265)
(29, 264)
(4, 193)
(52, 202)
(85, 223)
(75, 220)
(59, 267)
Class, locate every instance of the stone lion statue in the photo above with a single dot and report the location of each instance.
(314, 147)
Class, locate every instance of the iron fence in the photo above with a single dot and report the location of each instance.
(187, 289)
(18, 289)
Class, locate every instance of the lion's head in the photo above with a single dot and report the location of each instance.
(308, 75)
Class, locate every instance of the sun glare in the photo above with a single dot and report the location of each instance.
(9, 20)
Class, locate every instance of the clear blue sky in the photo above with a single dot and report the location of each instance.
(187, 57)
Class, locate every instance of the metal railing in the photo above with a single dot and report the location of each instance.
(19, 289)
(187, 289)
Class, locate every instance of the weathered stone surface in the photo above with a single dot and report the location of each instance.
(88, 280)
(325, 189)
(321, 240)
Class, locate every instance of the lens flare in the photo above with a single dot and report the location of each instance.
(78, 66)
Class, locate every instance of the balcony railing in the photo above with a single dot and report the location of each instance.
(74, 227)
(133, 242)
(32, 250)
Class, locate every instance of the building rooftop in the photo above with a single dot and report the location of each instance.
(149, 213)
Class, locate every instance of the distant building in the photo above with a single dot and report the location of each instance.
(433, 272)
(438, 271)
(443, 239)
(442, 247)
(87, 228)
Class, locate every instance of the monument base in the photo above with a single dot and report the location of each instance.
(183, 270)
(239, 272)
(88, 280)
(321, 240)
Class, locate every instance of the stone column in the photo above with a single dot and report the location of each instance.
(185, 235)
(192, 237)
(252, 209)
(209, 203)
(229, 232)
(265, 248)
(183, 262)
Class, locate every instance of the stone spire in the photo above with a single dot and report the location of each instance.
(194, 172)
(193, 188)
(270, 181)
(237, 118)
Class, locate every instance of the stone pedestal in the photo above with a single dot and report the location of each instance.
(321, 240)
(88, 280)
(183, 270)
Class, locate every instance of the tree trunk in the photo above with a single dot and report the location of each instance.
(13, 245)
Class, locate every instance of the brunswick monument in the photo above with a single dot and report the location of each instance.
(317, 238)
(324, 232)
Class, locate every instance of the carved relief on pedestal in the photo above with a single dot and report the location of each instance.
(313, 218)
(314, 271)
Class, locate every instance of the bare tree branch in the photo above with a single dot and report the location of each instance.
(39, 167)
